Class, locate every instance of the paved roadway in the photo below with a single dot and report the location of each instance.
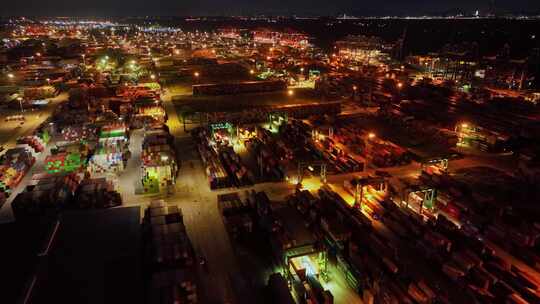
(201, 216)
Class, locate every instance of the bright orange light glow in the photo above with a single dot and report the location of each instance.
(311, 184)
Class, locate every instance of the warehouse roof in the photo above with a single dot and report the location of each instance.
(94, 257)
(21, 243)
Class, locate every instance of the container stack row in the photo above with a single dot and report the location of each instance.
(223, 165)
(45, 195)
(14, 165)
(159, 160)
(170, 258)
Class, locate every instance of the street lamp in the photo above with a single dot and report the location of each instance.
(196, 74)
(399, 85)
(290, 92)
(370, 136)
(20, 103)
(10, 76)
(153, 77)
(251, 72)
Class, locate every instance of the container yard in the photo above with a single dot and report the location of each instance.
(64, 161)
(148, 111)
(184, 162)
(46, 195)
(96, 193)
(237, 214)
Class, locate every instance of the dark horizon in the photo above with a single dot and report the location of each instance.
(124, 8)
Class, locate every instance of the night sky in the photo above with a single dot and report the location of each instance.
(248, 7)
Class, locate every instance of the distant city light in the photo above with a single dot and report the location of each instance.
(290, 92)
(10, 76)
(371, 135)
